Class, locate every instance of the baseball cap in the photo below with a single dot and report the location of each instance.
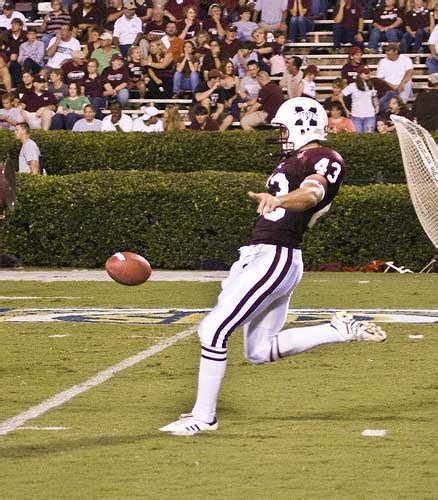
(214, 73)
(363, 69)
(231, 27)
(214, 5)
(129, 5)
(78, 54)
(433, 79)
(312, 69)
(149, 112)
(355, 50)
(39, 79)
(116, 57)
(8, 6)
(106, 36)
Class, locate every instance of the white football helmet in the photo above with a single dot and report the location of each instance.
(302, 120)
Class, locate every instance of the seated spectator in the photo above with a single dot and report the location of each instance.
(396, 70)
(230, 84)
(160, 70)
(382, 126)
(137, 70)
(31, 53)
(70, 108)
(142, 9)
(189, 26)
(14, 38)
(364, 102)
(202, 121)
(30, 156)
(213, 60)
(75, 69)
(128, 29)
(387, 22)
(113, 12)
(349, 69)
(432, 58)
(277, 62)
(61, 47)
(231, 43)
(85, 17)
(57, 87)
(186, 77)
(93, 41)
(116, 121)
(245, 26)
(273, 14)
(397, 107)
(202, 43)
(215, 24)
(105, 52)
(301, 20)
(243, 57)
(149, 122)
(93, 87)
(157, 22)
(425, 107)
(211, 95)
(172, 119)
(292, 76)
(39, 106)
(263, 49)
(88, 123)
(175, 9)
(9, 13)
(348, 24)
(9, 114)
(338, 86)
(419, 23)
(249, 86)
(263, 109)
(26, 84)
(53, 21)
(115, 81)
(171, 41)
(337, 122)
(307, 86)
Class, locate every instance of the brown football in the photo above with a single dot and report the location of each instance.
(128, 268)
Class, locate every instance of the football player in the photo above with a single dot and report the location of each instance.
(257, 292)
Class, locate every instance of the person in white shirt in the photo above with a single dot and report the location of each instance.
(61, 47)
(292, 76)
(8, 14)
(29, 157)
(397, 70)
(116, 121)
(128, 29)
(273, 14)
(89, 122)
(432, 58)
(245, 26)
(149, 122)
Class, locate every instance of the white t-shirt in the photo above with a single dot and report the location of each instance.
(140, 126)
(125, 123)
(361, 101)
(433, 39)
(394, 71)
(271, 10)
(126, 30)
(83, 126)
(29, 152)
(309, 88)
(63, 52)
(5, 22)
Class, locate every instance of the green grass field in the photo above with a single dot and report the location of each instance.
(288, 430)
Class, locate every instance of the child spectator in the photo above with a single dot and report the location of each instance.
(397, 107)
(172, 119)
(116, 121)
(382, 126)
(307, 86)
(338, 86)
(348, 24)
(245, 26)
(301, 21)
(93, 88)
(337, 122)
(88, 123)
(419, 23)
(70, 108)
(9, 115)
(202, 120)
(349, 69)
(186, 76)
(387, 22)
(149, 122)
(137, 70)
(115, 80)
(52, 22)
(292, 76)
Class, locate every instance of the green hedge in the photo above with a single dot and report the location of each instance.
(187, 220)
(368, 156)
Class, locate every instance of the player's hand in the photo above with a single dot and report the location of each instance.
(266, 202)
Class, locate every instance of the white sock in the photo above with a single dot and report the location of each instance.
(211, 372)
(296, 340)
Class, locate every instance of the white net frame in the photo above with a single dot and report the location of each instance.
(420, 161)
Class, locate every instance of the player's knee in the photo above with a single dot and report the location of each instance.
(259, 355)
(206, 331)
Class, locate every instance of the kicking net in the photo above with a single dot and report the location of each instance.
(420, 161)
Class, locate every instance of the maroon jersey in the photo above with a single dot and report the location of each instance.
(284, 227)
(73, 72)
(386, 17)
(352, 14)
(418, 19)
(34, 101)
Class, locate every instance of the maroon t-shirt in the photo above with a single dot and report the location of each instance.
(194, 29)
(284, 227)
(176, 9)
(74, 73)
(93, 87)
(13, 43)
(34, 101)
(154, 26)
(115, 77)
(349, 71)
(271, 98)
(231, 48)
(210, 126)
(416, 20)
(352, 14)
(210, 26)
(109, 25)
(386, 17)
(94, 16)
(380, 86)
(141, 10)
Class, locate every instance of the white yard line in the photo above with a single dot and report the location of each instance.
(59, 399)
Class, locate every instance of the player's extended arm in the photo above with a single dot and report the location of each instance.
(308, 195)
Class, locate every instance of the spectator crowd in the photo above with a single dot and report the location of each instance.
(79, 67)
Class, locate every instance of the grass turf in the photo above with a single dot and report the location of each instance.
(287, 430)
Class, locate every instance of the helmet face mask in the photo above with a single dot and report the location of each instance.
(302, 120)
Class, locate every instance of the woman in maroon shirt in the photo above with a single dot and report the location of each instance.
(160, 69)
